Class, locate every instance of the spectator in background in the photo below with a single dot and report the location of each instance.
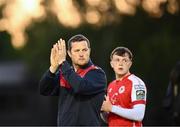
(172, 99)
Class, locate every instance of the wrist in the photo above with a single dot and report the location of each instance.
(53, 69)
(110, 108)
(115, 108)
(61, 62)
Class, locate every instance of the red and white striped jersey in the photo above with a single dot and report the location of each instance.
(126, 93)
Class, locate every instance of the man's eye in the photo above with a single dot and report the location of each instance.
(85, 49)
(124, 60)
(76, 50)
(116, 60)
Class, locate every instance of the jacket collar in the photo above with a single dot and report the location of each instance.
(86, 65)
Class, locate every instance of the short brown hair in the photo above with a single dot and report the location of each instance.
(75, 38)
(120, 51)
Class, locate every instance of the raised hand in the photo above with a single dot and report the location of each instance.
(58, 55)
(61, 51)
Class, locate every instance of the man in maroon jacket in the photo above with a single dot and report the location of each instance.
(80, 88)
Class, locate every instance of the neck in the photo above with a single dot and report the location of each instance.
(120, 77)
(76, 67)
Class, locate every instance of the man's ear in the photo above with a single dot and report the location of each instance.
(130, 64)
(111, 63)
(69, 53)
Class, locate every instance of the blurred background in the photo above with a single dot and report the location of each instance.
(29, 28)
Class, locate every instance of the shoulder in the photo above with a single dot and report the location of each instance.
(135, 80)
(95, 73)
(96, 69)
(111, 83)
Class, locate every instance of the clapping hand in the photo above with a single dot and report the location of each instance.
(58, 55)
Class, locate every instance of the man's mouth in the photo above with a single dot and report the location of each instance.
(81, 59)
(120, 68)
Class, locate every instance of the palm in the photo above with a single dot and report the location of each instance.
(54, 59)
(58, 53)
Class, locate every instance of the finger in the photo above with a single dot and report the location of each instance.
(55, 48)
(52, 50)
(52, 53)
(61, 40)
(59, 44)
(107, 98)
(64, 47)
(101, 107)
(61, 47)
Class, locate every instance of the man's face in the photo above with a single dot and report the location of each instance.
(80, 53)
(121, 64)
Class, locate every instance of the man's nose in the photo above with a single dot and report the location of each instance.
(81, 54)
(120, 62)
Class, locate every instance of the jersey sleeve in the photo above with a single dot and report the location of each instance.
(139, 91)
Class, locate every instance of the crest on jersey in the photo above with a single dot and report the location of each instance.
(121, 89)
(140, 94)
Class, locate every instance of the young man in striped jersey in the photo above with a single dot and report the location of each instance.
(126, 95)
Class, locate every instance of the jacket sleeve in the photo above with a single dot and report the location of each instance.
(93, 82)
(49, 84)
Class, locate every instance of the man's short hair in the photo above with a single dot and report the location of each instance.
(120, 51)
(77, 38)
